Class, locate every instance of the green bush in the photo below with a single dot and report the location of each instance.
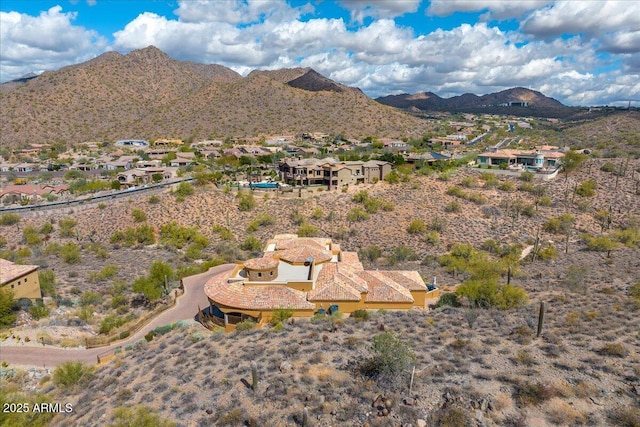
(634, 290)
(90, 298)
(184, 189)
(111, 322)
(452, 207)
(138, 215)
(70, 253)
(38, 311)
(245, 325)
(390, 359)
(307, 230)
(7, 315)
(360, 315)
(47, 280)
(9, 219)
(71, 373)
(66, 227)
(281, 315)
(357, 214)
(527, 176)
(251, 243)
(448, 299)
(46, 228)
(587, 188)
(489, 293)
(417, 226)
(141, 416)
(371, 253)
(246, 202)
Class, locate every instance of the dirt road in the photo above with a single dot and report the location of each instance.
(186, 308)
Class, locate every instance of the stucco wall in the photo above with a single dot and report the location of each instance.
(27, 286)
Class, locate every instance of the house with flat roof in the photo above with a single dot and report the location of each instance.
(21, 280)
(331, 172)
(538, 159)
(307, 275)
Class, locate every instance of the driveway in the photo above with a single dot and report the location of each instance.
(186, 308)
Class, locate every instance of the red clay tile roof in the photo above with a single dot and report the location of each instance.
(265, 263)
(303, 253)
(409, 279)
(382, 289)
(315, 242)
(260, 297)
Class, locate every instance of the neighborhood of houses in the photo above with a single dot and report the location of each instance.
(307, 159)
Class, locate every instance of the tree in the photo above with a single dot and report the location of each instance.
(71, 373)
(390, 358)
(7, 316)
(572, 161)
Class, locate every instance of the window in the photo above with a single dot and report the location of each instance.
(259, 274)
(12, 286)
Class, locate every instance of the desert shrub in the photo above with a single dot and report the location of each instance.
(281, 315)
(477, 198)
(526, 176)
(184, 189)
(260, 220)
(448, 299)
(634, 290)
(107, 272)
(468, 182)
(489, 293)
(371, 253)
(154, 200)
(174, 235)
(251, 243)
(71, 373)
(614, 349)
(152, 286)
(404, 253)
(360, 315)
(111, 322)
(392, 177)
(31, 236)
(547, 253)
(361, 196)
(389, 360)
(432, 237)
(138, 215)
(559, 224)
(90, 298)
(307, 230)
(545, 201)
(507, 186)
(47, 279)
(10, 395)
(38, 311)
(587, 188)
(357, 214)
(138, 417)
(627, 416)
(9, 219)
(297, 218)
(372, 205)
(70, 253)
(317, 213)
(456, 192)
(245, 325)
(66, 226)
(575, 278)
(451, 416)
(452, 207)
(607, 167)
(529, 393)
(417, 226)
(7, 315)
(226, 234)
(246, 202)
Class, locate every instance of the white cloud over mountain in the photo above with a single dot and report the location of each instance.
(579, 52)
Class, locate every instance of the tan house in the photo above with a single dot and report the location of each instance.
(307, 275)
(331, 172)
(21, 280)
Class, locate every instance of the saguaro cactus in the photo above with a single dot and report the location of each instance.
(540, 319)
(254, 376)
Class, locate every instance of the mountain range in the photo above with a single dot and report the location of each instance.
(146, 94)
(511, 98)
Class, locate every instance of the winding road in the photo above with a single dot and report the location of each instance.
(186, 308)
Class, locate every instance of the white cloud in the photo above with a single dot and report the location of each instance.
(235, 11)
(593, 17)
(361, 9)
(497, 9)
(44, 42)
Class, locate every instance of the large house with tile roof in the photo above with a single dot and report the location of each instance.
(306, 275)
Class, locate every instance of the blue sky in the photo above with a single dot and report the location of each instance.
(579, 52)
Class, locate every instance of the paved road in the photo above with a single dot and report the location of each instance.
(48, 356)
